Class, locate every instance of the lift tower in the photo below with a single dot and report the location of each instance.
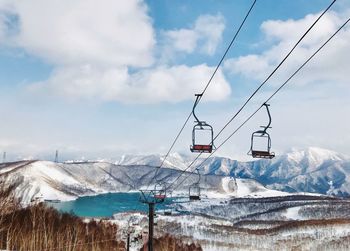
(152, 197)
(56, 156)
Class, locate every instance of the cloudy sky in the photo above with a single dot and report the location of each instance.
(98, 79)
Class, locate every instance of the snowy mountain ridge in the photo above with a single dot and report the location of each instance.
(311, 170)
(315, 155)
(300, 170)
(174, 160)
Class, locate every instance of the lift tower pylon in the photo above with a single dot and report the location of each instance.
(56, 156)
(152, 197)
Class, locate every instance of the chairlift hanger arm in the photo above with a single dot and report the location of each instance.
(258, 153)
(198, 97)
(268, 113)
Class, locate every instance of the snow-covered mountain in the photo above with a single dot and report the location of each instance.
(311, 170)
(66, 181)
(174, 160)
(300, 170)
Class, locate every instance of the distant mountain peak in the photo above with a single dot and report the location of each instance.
(315, 155)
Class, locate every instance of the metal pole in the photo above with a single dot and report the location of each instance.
(150, 225)
(128, 242)
(56, 156)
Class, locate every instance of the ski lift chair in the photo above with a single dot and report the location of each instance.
(159, 192)
(262, 134)
(198, 127)
(194, 191)
(261, 153)
(196, 147)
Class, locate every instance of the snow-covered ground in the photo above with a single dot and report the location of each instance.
(293, 213)
(298, 230)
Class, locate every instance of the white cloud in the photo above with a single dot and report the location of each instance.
(329, 65)
(181, 82)
(254, 66)
(92, 47)
(211, 29)
(162, 84)
(182, 40)
(204, 35)
(74, 32)
(290, 31)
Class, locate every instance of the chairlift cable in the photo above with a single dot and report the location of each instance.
(204, 90)
(171, 147)
(323, 45)
(274, 71)
(188, 167)
(253, 114)
(265, 81)
(228, 48)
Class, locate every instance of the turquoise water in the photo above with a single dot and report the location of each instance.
(105, 205)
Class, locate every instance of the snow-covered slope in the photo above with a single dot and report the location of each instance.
(278, 223)
(300, 170)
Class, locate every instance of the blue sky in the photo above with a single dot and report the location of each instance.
(98, 80)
